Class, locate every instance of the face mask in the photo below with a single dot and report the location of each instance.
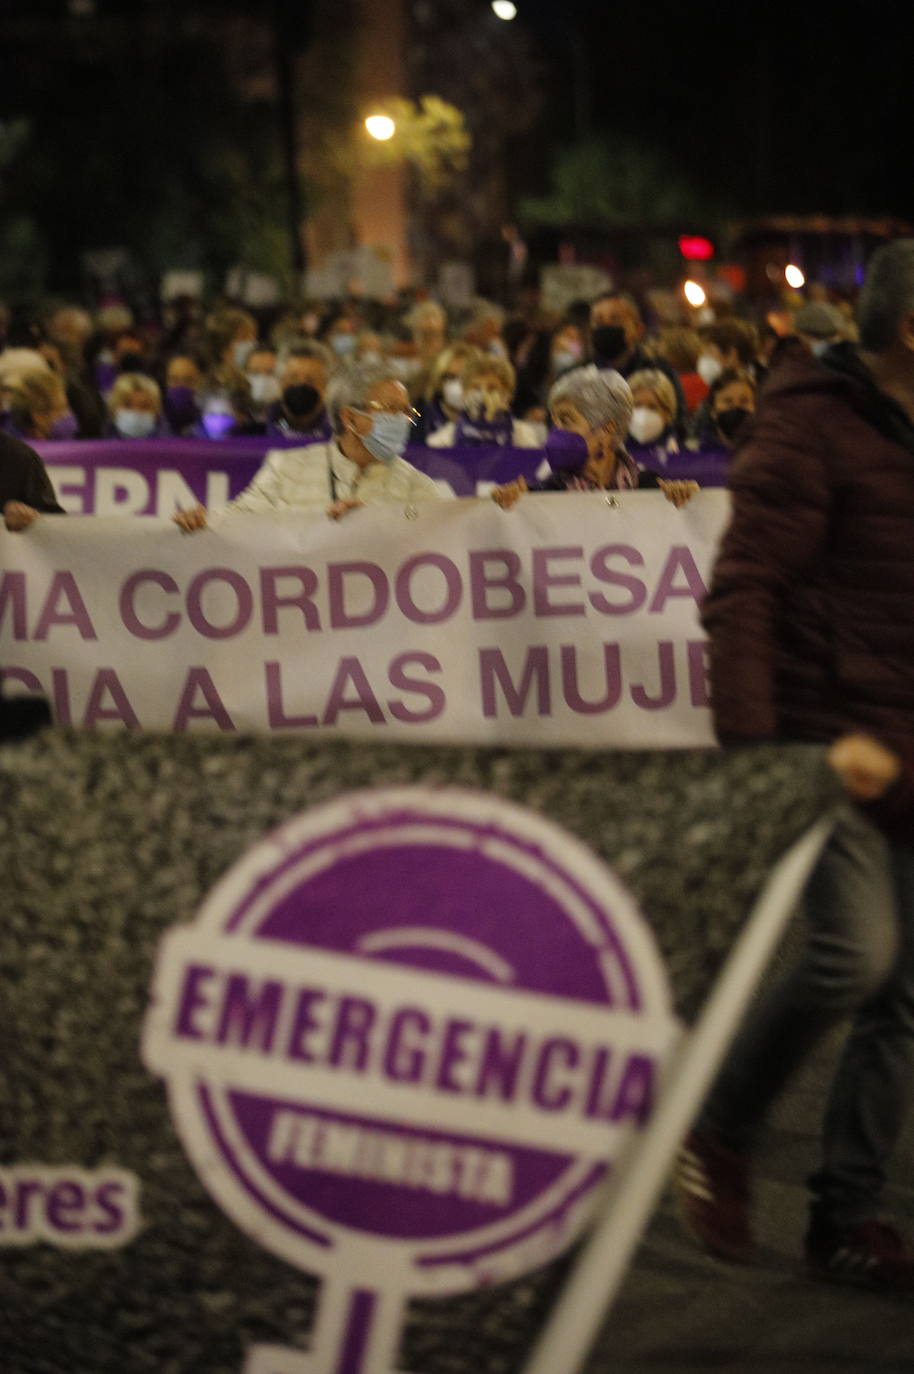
(371, 356)
(241, 351)
(217, 424)
(496, 349)
(563, 358)
(264, 388)
(387, 437)
(130, 362)
(608, 341)
(731, 421)
(571, 345)
(301, 400)
(820, 345)
(343, 344)
(406, 368)
(647, 425)
(566, 449)
(64, 427)
(709, 369)
(452, 391)
(181, 407)
(134, 424)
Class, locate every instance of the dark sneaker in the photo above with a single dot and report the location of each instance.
(868, 1254)
(711, 1187)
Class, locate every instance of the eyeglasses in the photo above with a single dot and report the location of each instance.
(391, 408)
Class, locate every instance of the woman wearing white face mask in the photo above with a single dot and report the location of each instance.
(485, 413)
(265, 390)
(341, 338)
(135, 407)
(362, 465)
(443, 400)
(260, 371)
(651, 433)
(566, 351)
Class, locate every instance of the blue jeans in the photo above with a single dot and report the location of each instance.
(859, 962)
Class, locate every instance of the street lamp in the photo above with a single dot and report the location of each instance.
(380, 127)
(504, 9)
(794, 276)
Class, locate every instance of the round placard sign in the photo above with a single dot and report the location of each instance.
(403, 1040)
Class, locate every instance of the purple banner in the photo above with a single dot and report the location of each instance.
(157, 476)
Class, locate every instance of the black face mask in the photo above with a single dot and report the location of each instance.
(131, 362)
(731, 421)
(301, 400)
(608, 341)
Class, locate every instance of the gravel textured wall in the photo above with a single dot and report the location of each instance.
(105, 842)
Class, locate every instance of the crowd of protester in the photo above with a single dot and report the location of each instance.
(806, 614)
(478, 376)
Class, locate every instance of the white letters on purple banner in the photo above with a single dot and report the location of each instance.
(566, 621)
(156, 476)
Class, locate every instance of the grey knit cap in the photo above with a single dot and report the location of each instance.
(819, 320)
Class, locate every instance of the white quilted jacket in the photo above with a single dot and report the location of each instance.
(300, 479)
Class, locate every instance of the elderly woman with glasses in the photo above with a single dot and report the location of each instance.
(362, 465)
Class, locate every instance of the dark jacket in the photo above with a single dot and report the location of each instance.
(23, 477)
(811, 608)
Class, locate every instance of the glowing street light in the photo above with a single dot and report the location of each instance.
(504, 9)
(794, 277)
(694, 293)
(380, 127)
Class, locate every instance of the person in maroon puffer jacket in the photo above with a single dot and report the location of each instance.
(811, 624)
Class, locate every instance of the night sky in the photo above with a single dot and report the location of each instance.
(783, 107)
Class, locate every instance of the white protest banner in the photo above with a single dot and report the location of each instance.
(569, 620)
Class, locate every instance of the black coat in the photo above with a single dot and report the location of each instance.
(809, 612)
(24, 477)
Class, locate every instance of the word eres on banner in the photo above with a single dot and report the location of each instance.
(562, 622)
